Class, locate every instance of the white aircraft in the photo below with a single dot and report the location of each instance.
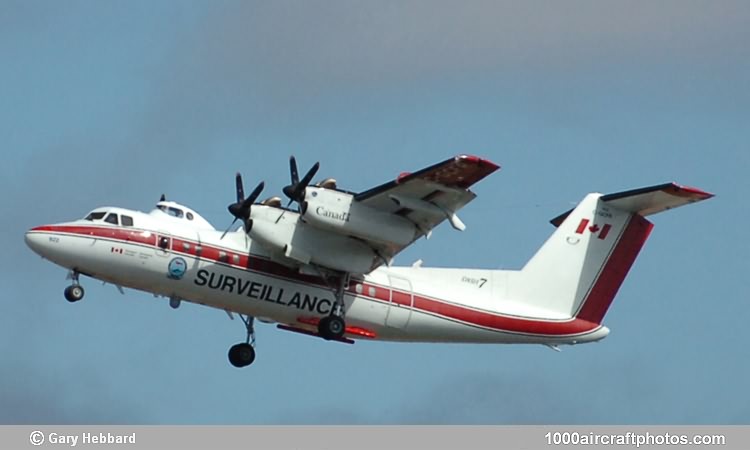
(324, 269)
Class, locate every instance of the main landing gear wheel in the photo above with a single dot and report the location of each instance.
(73, 293)
(241, 355)
(331, 328)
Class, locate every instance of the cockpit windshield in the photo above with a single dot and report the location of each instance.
(171, 210)
(95, 215)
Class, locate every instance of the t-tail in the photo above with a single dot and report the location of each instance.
(578, 271)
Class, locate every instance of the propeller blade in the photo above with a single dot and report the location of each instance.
(253, 196)
(240, 189)
(293, 170)
(228, 228)
(236, 210)
(241, 208)
(296, 190)
(308, 177)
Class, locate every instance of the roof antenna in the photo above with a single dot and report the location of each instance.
(163, 198)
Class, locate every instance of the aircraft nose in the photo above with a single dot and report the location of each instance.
(37, 240)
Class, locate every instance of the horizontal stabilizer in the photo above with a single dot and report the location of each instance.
(648, 200)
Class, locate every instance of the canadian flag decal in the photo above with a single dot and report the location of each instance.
(602, 231)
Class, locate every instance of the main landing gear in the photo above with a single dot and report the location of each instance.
(243, 354)
(74, 292)
(333, 326)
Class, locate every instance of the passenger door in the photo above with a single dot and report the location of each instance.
(401, 302)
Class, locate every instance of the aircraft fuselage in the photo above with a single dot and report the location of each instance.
(237, 275)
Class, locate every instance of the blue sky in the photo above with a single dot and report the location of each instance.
(114, 103)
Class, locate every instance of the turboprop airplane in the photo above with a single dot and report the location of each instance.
(324, 268)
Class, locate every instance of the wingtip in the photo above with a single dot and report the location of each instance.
(689, 191)
(479, 161)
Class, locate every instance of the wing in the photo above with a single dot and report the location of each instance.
(429, 196)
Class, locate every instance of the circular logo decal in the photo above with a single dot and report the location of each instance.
(177, 268)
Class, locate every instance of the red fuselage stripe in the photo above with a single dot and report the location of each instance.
(432, 306)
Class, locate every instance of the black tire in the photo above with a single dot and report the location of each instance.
(73, 293)
(331, 328)
(241, 355)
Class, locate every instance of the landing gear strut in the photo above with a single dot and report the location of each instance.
(333, 326)
(75, 291)
(243, 354)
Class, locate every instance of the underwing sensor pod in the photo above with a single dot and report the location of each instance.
(324, 268)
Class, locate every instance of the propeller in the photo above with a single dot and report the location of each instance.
(241, 209)
(296, 190)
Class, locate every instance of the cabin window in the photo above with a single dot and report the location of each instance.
(126, 221)
(236, 259)
(95, 216)
(186, 246)
(163, 242)
(189, 216)
(223, 256)
(198, 249)
(111, 218)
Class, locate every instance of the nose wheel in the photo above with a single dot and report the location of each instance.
(243, 354)
(74, 292)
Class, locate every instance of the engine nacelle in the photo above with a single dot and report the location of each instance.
(339, 212)
(306, 244)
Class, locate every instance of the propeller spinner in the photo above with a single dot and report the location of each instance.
(241, 209)
(296, 190)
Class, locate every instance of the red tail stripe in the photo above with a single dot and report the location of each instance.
(605, 288)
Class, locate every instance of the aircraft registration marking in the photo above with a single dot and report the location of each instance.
(479, 282)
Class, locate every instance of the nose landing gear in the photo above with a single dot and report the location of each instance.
(243, 354)
(74, 292)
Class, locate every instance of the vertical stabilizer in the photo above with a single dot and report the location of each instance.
(580, 268)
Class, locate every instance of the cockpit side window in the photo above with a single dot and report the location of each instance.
(126, 220)
(95, 216)
(171, 210)
(111, 218)
(189, 216)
